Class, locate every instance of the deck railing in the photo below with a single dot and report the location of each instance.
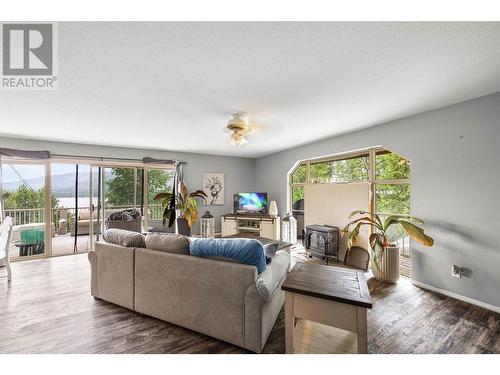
(23, 216)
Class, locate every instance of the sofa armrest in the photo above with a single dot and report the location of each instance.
(94, 274)
(115, 273)
(253, 319)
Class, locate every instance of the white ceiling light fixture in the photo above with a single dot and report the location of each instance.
(238, 126)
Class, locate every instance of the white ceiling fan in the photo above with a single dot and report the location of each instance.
(240, 126)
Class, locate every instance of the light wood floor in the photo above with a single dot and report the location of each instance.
(61, 245)
(47, 308)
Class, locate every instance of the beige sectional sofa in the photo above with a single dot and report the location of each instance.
(215, 297)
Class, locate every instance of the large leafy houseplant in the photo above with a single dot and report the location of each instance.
(185, 202)
(379, 240)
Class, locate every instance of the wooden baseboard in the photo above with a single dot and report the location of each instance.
(447, 293)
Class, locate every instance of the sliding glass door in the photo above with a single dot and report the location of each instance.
(24, 198)
(123, 189)
(72, 211)
(158, 180)
(135, 188)
(61, 207)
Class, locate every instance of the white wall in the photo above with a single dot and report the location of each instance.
(455, 177)
(238, 172)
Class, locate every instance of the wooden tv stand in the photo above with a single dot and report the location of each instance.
(259, 225)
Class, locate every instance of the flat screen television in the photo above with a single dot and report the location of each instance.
(250, 203)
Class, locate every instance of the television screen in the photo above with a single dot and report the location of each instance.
(250, 203)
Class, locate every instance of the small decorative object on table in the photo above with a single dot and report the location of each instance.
(289, 229)
(207, 225)
(273, 209)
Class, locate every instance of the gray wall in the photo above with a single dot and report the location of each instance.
(238, 172)
(455, 159)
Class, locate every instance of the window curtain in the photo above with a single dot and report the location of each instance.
(148, 160)
(17, 154)
(178, 180)
(24, 154)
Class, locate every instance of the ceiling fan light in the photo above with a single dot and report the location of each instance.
(237, 139)
(238, 126)
(238, 120)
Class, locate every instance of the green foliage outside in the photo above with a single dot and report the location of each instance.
(392, 199)
(297, 193)
(389, 166)
(159, 181)
(27, 197)
(341, 170)
(300, 174)
(119, 190)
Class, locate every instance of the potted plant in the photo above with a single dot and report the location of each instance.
(185, 202)
(386, 254)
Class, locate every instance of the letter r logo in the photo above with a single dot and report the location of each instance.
(27, 49)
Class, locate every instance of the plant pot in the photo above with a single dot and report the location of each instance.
(389, 266)
(183, 227)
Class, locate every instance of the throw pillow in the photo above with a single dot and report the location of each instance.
(244, 250)
(270, 250)
(124, 238)
(170, 242)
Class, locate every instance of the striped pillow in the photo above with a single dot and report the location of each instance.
(124, 238)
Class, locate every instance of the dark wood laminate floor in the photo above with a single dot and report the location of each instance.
(48, 309)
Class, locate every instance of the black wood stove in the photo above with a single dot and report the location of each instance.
(322, 241)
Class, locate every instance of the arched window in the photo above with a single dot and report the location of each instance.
(387, 172)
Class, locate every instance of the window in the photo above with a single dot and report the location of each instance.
(298, 179)
(159, 181)
(298, 198)
(390, 166)
(299, 176)
(344, 170)
(24, 199)
(390, 180)
(392, 198)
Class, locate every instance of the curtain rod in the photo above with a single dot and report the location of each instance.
(143, 160)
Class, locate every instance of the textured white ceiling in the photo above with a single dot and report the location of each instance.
(174, 85)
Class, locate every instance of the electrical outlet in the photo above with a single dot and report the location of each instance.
(456, 271)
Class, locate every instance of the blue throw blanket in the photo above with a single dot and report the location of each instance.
(244, 250)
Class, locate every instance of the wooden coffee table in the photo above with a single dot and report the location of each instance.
(332, 296)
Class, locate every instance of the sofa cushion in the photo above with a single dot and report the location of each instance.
(245, 250)
(269, 280)
(124, 238)
(170, 242)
